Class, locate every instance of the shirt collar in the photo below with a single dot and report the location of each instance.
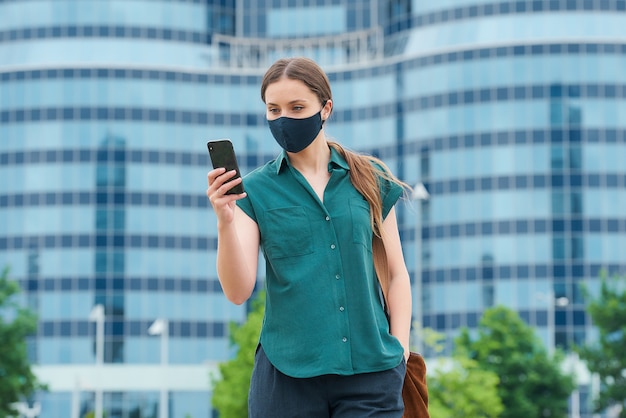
(281, 161)
(336, 161)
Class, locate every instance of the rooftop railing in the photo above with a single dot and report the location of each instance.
(332, 50)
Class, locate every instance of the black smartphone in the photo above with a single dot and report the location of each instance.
(222, 154)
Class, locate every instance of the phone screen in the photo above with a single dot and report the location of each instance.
(222, 154)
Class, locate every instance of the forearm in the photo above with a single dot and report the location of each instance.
(400, 309)
(399, 291)
(233, 268)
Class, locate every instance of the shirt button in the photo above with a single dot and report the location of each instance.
(344, 339)
(341, 308)
(332, 246)
(337, 276)
(328, 218)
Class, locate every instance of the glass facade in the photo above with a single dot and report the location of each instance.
(512, 114)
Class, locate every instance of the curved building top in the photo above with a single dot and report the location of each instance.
(202, 36)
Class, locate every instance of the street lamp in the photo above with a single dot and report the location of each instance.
(160, 327)
(97, 315)
(420, 194)
(552, 302)
(76, 398)
(27, 412)
(79, 385)
(560, 302)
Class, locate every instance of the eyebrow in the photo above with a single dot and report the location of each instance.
(291, 102)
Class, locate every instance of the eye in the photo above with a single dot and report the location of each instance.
(298, 108)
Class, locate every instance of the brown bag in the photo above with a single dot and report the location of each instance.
(414, 391)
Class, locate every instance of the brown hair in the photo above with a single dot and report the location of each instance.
(365, 171)
(303, 69)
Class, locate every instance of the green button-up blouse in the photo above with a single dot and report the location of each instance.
(323, 312)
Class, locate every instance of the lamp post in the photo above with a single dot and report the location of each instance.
(97, 315)
(419, 194)
(76, 398)
(560, 302)
(552, 302)
(551, 324)
(79, 385)
(575, 396)
(160, 327)
(25, 411)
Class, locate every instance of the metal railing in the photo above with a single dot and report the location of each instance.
(332, 50)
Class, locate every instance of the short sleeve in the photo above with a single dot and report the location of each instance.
(390, 193)
(245, 205)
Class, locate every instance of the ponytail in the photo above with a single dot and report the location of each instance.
(366, 173)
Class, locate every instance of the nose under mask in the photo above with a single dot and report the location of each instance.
(294, 135)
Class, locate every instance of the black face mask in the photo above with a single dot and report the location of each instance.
(294, 135)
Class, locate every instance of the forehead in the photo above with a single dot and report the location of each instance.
(287, 89)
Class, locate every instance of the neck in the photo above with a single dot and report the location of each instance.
(314, 158)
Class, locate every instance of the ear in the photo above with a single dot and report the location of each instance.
(327, 109)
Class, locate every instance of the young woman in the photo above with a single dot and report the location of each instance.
(321, 214)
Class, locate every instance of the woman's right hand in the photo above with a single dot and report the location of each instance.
(223, 204)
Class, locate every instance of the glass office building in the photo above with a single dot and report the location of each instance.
(511, 114)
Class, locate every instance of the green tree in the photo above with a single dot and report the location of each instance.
(606, 357)
(463, 389)
(92, 414)
(230, 390)
(458, 387)
(17, 381)
(532, 384)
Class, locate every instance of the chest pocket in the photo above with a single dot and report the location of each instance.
(288, 232)
(361, 226)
